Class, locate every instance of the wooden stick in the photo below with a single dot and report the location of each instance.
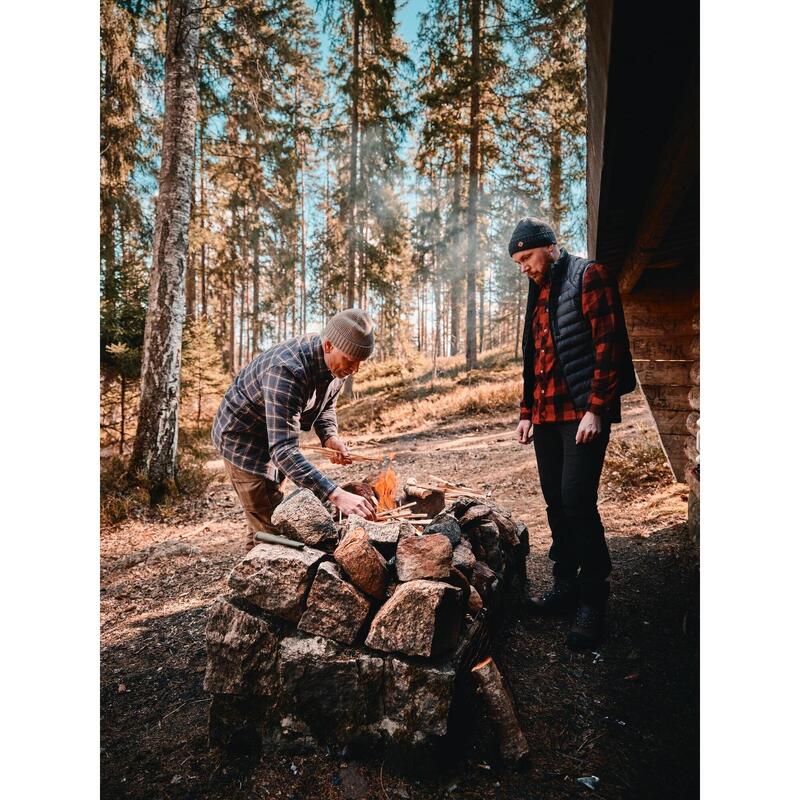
(353, 456)
(464, 493)
(409, 515)
(448, 485)
(405, 515)
(395, 511)
(396, 508)
(448, 490)
(431, 488)
(428, 488)
(513, 745)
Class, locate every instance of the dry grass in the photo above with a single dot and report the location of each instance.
(397, 396)
(636, 464)
(122, 500)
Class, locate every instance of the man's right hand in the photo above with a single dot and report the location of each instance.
(349, 503)
(524, 431)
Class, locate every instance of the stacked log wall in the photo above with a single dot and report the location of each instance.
(663, 328)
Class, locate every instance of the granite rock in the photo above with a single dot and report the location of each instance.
(277, 578)
(364, 565)
(422, 618)
(335, 609)
(420, 557)
(302, 517)
(241, 648)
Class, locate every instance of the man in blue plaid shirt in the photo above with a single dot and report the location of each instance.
(288, 388)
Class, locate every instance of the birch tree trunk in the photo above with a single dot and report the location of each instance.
(155, 448)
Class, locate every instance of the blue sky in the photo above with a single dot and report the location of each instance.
(408, 17)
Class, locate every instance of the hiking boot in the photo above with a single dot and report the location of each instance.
(587, 632)
(561, 599)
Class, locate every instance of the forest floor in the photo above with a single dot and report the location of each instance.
(628, 713)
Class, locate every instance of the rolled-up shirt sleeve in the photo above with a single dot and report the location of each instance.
(600, 302)
(282, 408)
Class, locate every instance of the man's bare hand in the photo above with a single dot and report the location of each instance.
(349, 503)
(343, 454)
(524, 431)
(589, 428)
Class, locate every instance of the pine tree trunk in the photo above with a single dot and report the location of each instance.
(232, 323)
(255, 341)
(474, 165)
(556, 182)
(108, 251)
(436, 323)
(203, 289)
(303, 311)
(122, 414)
(242, 315)
(481, 315)
(491, 332)
(355, 101)
(155, 448)
(199, 399)
(191, 288)
(455, 315)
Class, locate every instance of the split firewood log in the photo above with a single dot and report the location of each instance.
(513, 745)
(426, 501)
(364, 489)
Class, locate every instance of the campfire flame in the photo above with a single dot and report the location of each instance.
(385, 489)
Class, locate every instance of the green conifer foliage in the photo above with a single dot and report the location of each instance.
(203, 377)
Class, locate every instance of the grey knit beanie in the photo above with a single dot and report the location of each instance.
(351, 331)
(530, 233)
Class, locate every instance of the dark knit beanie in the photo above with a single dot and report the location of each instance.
(530, 233)
(351, 332)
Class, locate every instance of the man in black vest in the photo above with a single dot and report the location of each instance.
(576, 364)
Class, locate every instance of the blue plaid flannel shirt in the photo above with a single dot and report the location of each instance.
(282, 391)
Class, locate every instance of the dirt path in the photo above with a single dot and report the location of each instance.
(628, 714)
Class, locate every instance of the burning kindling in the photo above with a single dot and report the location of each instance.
(385, 489)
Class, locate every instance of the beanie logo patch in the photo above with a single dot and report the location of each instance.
(520, 243)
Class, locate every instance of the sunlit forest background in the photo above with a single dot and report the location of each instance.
(349, 152)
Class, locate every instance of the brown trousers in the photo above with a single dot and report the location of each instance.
(259, 497)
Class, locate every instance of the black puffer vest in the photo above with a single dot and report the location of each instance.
(572, 335)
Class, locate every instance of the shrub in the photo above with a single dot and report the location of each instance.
(635, 465)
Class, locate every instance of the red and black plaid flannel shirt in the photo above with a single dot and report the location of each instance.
(552, 401)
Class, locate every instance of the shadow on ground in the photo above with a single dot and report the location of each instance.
(628, 714)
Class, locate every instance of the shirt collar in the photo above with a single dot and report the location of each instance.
(320, 367)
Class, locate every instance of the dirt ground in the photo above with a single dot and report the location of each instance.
(628, 713)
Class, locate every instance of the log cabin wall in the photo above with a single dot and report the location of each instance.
(661, 323)
(643, 201)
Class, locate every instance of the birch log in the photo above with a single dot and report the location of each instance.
(513, 745)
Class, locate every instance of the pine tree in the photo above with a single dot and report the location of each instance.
(463, 69)
(203, 377)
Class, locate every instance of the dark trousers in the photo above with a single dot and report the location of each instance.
(569, 475)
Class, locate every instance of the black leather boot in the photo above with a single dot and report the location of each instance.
(561, 599)
(589, 627)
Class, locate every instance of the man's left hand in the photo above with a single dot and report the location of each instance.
(589, 428)
(343, 454)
